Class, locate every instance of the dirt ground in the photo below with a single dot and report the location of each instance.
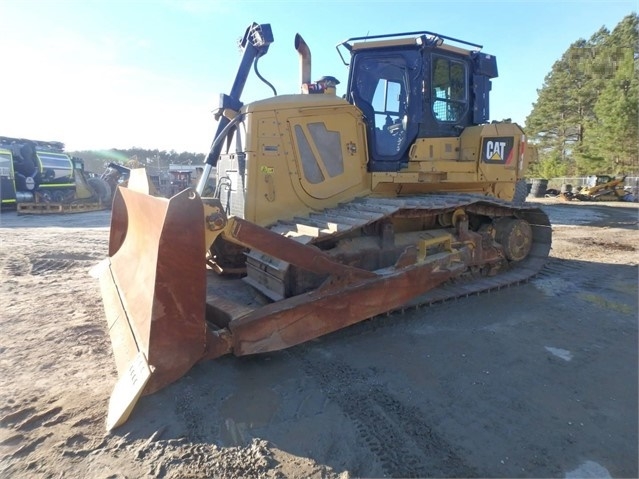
(538, 380)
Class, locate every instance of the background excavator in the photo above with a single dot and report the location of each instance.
(327, 211)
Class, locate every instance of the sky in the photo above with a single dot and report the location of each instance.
(120, 74)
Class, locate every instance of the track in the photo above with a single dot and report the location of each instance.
(338, 222)
(396, 433)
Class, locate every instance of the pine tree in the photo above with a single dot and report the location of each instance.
(613, 140)
(586, 117)
(565, 105)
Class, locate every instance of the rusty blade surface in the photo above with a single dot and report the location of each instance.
(308, 316)
(154, 289)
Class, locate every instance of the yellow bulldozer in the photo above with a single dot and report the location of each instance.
(327, 211)
(602, 188)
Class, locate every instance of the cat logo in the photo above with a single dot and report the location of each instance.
(497, 150)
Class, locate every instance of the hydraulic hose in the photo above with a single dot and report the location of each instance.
(216, 143)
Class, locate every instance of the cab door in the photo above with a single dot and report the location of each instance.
(330, 155)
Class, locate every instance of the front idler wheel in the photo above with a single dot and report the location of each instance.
(515, 237)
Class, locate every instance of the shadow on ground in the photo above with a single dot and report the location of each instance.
(533, 380)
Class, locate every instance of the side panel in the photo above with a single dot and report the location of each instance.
(441, 159)
(301, 158)
(487, 159)
(326, 154)
(501, 150)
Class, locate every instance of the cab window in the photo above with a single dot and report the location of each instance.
(449, 89)
(383, 85)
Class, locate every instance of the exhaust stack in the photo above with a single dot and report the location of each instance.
(305, 60)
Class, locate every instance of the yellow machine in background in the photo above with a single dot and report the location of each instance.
(327, 211)
(603, 188)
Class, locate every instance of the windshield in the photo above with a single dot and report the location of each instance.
(450, 95)
(382, 83)
(56, 167)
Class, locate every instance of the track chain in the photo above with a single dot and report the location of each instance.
(347, 217)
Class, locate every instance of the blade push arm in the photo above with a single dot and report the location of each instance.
(250, 235)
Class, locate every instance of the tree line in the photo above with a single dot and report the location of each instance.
(96, 160)
(586, 117)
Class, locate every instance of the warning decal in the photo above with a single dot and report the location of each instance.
(497, 150)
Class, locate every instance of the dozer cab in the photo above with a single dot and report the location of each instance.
(327, 211)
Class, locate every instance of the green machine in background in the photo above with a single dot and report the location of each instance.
(38, 177)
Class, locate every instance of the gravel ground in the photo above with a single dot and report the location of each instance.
(538, 380)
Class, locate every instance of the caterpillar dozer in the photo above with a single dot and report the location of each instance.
(327, 211)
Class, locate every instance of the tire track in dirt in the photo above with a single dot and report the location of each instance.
(32, 429)
(37, 424)
(47, 264)
(396, 433)
(579, 285)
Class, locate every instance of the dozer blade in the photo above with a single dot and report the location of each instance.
(154, 290)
